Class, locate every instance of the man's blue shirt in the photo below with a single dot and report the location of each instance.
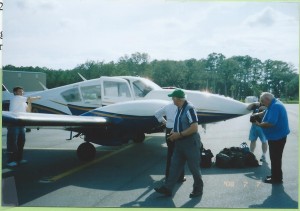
(277, 116)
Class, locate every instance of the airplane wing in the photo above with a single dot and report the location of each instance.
(48, 120)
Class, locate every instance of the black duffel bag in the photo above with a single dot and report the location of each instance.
(206, 158)
(223, 160)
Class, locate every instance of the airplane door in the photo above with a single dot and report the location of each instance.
(115, 90)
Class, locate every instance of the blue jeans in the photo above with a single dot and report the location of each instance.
(15, 143)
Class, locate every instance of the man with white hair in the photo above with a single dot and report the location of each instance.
(276, 128)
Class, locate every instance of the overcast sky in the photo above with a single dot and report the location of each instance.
(61, 34)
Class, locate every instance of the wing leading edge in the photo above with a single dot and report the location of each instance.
(39, 119)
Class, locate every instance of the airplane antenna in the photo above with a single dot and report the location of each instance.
(83, 78)
(4, 88)
(44, 87)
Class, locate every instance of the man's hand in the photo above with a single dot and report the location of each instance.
(264, 124)
(174, 136)
(258, 123)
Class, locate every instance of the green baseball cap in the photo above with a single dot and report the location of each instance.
(177, 93)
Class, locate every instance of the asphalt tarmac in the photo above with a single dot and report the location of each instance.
(125, 176)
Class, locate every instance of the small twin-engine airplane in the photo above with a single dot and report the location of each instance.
(109, 126)
(113, 110)
(87, 95)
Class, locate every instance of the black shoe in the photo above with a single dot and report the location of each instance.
(273, 181)
(181, 180)
(163, 190)
(268, 177)
(196, 193)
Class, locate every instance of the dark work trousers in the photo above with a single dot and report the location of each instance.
(186, 150)
(171, 146)
(275, 151)
(15, 143)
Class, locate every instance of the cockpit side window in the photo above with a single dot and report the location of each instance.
(91, 94)
(141, 89)
(116, 89)
(71, 95)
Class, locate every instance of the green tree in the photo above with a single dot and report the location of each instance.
(213, 63)
(169, 73)
(195, 79)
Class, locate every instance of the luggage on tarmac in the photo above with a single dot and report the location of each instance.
(236, 157)
(206, 158)
(223, 160)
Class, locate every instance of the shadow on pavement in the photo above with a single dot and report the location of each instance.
(278, 199)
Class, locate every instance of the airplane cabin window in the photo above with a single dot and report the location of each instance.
(91, 94)
(71, 95)
(116, 89)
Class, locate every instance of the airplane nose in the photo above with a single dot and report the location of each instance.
(229, 105)
(239, 107)
(213, 107)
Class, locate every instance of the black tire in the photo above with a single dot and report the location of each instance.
(138, 138)
(86, 152)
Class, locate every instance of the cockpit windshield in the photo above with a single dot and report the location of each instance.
(143, 86)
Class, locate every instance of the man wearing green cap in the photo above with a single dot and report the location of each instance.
(187, 146)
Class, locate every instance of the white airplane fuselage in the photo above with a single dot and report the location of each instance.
(81, 97)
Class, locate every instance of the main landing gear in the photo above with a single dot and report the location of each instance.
(86, 151)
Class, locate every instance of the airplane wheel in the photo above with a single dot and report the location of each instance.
(139, 138)
(86, 151)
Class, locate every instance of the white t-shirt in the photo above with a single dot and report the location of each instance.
(169, 111)
(18, 104)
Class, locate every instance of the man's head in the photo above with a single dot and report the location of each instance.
(266, 98)
(178, 97)
(18, 91)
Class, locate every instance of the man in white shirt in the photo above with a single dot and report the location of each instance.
(16, 134)
(169, 111)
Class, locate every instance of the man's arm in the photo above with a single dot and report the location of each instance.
(192, 129)
(29, 100)
(272, 118)
(160, 115)
(189, 131)
(264, 124)
(29, 107)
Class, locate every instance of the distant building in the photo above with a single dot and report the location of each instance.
(30, 81)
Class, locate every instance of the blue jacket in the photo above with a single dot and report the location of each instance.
(277, 116)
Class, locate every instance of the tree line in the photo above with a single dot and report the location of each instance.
(237, 76)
